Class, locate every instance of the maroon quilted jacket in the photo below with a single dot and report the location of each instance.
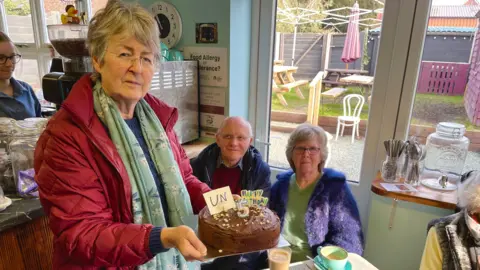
(85, 190)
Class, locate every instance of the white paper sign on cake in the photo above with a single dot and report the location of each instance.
(219, 200)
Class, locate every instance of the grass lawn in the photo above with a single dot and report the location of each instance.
(428, 109)
(295, 104)
(431, 109)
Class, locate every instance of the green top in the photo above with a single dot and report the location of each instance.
(294, 229)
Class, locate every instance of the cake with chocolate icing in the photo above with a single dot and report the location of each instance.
(239, 230)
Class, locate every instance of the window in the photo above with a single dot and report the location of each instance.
(315, 55)
(446, 90)
(98, 4)
(53, 11)
(28, 30)
(391, 60)
(19, 21)
(27, 71)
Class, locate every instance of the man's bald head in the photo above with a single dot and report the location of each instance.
(238, 121)
(234, 137)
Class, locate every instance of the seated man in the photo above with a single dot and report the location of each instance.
(233, 162)
(453, 242)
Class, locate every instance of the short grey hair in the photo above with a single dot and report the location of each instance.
(306, 132)
(228, 119)
(129, 19)
(468, 192)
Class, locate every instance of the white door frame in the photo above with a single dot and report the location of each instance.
(394, 49)
(407, 98)
(262, 44)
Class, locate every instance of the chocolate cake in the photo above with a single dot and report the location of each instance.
(229, 232)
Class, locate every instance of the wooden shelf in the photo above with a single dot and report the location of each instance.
(424, 195)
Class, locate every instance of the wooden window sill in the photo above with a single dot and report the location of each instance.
(424, 195)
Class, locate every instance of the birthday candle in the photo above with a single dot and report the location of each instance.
(265, 201)
(249, 197)
(258, 196)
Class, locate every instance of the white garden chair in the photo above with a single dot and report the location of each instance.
(350, 118)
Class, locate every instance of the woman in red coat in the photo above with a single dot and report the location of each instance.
(113, 178)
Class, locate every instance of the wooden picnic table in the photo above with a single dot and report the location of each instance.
(283, 74)
(346, 71)
(283, 81)
(359, 80)
(333, 76)
(278, 62)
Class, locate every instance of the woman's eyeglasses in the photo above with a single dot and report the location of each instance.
(311, 150)
(15, 58)
(128, 60)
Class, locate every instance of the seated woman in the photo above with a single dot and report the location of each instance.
(453, 242)
(17, 99)
(315, 205)
(113, 179)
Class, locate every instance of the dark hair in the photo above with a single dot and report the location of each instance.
(68, 7)
(4, 37)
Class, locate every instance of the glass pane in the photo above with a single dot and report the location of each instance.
(298, 83)
(447, 91)
(53, 12)
(27, 70)
(19, 21)
(98, 4)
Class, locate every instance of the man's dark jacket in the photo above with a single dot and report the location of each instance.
(255, 172)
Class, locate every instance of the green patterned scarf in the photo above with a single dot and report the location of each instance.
(146, 203)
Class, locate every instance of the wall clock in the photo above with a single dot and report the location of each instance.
(169, 22)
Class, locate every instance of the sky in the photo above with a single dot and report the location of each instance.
(448, 2)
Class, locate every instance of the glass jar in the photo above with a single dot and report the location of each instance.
(22, 148)
(6, 175)
(39, 122)
(446, 151)
(413, 173)
(389, 169)
(6, 130)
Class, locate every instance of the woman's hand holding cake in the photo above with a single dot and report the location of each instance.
(184, 239)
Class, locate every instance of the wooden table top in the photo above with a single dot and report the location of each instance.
(348, 71)
(279, 69)
(359, 79)
(424, 195)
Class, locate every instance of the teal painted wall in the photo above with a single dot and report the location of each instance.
(401, 247)
(234, 23)
(200, 11)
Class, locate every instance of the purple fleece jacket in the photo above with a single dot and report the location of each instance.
(332, 216)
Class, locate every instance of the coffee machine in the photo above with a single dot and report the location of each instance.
(69, 40)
